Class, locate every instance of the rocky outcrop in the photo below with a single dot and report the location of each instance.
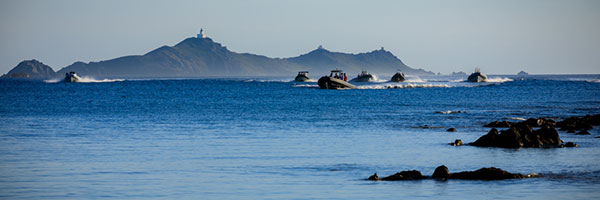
(405, 175)
(574, 124)
(491, 173)
(521, 135)
(442, 173)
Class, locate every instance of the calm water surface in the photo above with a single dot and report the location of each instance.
(276, 139)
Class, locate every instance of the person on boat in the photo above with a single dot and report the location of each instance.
(345, 77)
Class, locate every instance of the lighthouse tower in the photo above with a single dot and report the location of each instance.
(201, 34)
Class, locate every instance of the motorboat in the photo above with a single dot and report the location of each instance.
(477, 76)
(71, 77)
(398, 77)
(335, 80)
(302, 76)
(364, 76)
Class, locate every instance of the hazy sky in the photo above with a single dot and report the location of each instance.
(500, 37)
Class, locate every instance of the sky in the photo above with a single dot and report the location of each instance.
(500, 37)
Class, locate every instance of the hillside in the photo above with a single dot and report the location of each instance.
(202, 57)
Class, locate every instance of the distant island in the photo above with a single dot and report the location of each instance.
(522, 73)
(202, 57)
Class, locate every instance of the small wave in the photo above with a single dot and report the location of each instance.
(92, 80)
(516, 118)
(498, 80)
(305, 85)
(449, 112)
(593, 81)
(87, 80)
(269, 81)
(402, 86)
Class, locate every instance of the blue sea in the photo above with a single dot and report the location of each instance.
(273, 138)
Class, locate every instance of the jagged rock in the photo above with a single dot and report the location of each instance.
(451, 130)
(487, 140)
(374, 177)
(457, 142)
(491, 173)
(573, 124)
(441, 172)
(405, 175)
(519, 135)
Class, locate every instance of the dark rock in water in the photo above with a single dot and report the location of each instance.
(451, 130)
(548, 136)
(441, 172)
(491, 173)
(487, 140)
(597, 137)
(583, 132)
(573, 124)
(539, 122)
(405, 175)
(519, 135)
(374, 177)
(457, 142)
(571, 144)
(499, 124)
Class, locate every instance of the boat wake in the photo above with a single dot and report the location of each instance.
(305, 85)
(402, 86)
(498, 80)
(87, 80)
(269, 80)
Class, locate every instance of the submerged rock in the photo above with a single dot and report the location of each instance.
(491, 173)
(457, 142)
(451, 130)
(583, 132)
(374, 177)
(568, 144)
(442, 173)
(405, 175)
(573, 124)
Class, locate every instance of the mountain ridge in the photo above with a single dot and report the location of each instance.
(202, 57)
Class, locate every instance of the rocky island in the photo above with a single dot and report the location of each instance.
(202, 57)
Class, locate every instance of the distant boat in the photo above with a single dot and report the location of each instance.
(71, 77)
(477, 76)
(398, 77)
(302, 76)
(335, 80)
(364, 76)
